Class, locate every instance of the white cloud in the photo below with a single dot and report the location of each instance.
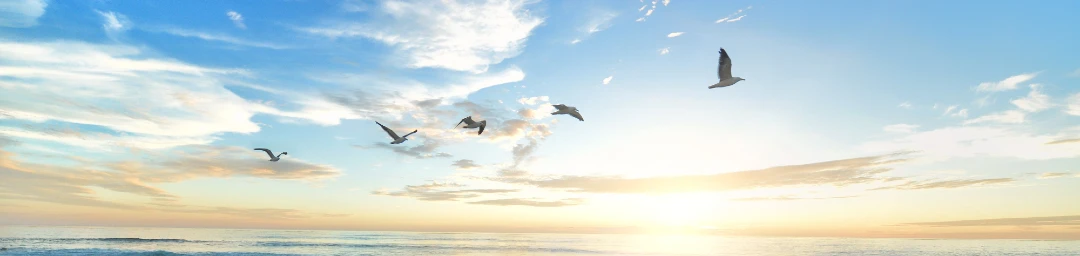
(674, 34)
(950, 109)
(215, 37)
(115, 23)
(600, 21)
(976, 141)
(389, 97)
(666, 2)
(649, 12)
(533, 100)
(665, 50)
(1035, 101)
(455, 35)
(962, 113)
(642, 8)
(1005, 117)
(237, 19)
(729, 17)
(905, 105)
(355, 6)
(608, 79)
(161, 101)
(1009, 83)
(21, 13)
(1073, 105)
(1075, 73)
(900, 128)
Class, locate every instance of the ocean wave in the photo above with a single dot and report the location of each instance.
(106, 239)
(428, 247)
(113, 252)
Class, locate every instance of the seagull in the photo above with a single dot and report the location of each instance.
(469, 123)
(273, 158)
(397, 140)
(724, 71)
(563, 109)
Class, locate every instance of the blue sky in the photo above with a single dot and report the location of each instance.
(154, 106)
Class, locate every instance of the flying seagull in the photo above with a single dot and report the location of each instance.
(724, 72)
(563, 109)
(273, 158)
(469, 123)
(397, 140)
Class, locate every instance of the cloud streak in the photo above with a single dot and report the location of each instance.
(216, 38)
(21, 13)
(454, 35)
(237, 19)
(734, 17)
(837, 173)
(1009, 83)
(530, 202)
(959, 183)
(1070, 220)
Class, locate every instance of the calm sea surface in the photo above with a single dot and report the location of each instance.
(180, 241)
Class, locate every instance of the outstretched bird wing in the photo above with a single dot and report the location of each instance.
(407, 135)
(271, 154)
(467, 120)
(577, 115)
(482, 125)
(560, 107)
(724, 69)
(388, 131)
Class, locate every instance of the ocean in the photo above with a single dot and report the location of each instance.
(23, 240)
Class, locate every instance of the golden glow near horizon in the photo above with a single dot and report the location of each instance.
(883, 128)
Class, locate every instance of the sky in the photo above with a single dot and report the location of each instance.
(956, 119)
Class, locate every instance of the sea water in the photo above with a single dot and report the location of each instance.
(24, 240)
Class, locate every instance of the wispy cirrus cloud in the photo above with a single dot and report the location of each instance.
(734, 17)
(599, 20)
(72, 184)
(1054, 175)
(21, 13)
(1073, 105)
(1004, 117)
(454, 35)
(215, 37)
(531, 202)
(465, 164)
(786, 198)
(1035, 101)
(114, 23)
(938, 184)
(441, 192)
(1009, 83)
(977, 141)
(900, 128)
(837, 173)
(1064, 141)
(96, 84)
(651, 8)
(236, 18)
(674, 34)
(1069, 220)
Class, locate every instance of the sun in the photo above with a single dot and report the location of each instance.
(680, 211)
